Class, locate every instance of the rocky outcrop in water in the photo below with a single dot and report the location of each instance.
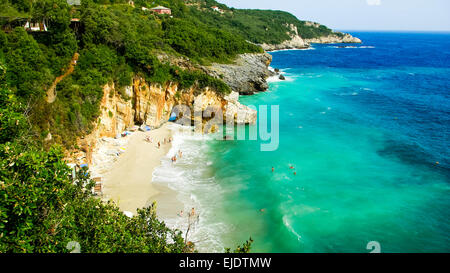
(334, 39)
(247, 75)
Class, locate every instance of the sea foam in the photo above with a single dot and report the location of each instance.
(193, 180)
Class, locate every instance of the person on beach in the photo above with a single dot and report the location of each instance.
(174, 159)
(181, 213)
(170, 139)
(159, 144)
(180, 154)
(192, 212)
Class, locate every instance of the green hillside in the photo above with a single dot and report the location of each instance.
(257, 26)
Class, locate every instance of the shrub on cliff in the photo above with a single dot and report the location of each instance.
(27, 70)
(203, 43)
(42, 210)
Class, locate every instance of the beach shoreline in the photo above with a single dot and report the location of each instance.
(128, 182)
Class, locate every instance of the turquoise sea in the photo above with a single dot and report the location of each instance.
(366, 128)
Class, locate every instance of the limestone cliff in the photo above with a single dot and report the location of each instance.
(152, 104)
(246, 75)
(334, 39)
(296, 42)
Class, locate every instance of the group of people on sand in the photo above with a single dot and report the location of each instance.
(290, 167)
(165, 141)
(174, 158)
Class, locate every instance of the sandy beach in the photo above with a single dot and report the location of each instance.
(129, 181)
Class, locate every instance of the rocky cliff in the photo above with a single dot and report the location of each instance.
(246, 75)
(334, 39)
(144, 103)
(295, 42)
(152, 104)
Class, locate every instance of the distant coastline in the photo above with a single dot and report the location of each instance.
(297, 42)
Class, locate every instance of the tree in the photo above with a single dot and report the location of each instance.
(27, 73)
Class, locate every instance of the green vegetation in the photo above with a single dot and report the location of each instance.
(115, 42)
(41, 207)
(199, 43)
(257, 26)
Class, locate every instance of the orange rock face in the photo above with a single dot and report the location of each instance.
(152, 104)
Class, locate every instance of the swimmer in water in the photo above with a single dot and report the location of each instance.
(273, 169)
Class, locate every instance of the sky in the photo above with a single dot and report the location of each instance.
(414, 15)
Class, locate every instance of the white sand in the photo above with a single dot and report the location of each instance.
(129, 182)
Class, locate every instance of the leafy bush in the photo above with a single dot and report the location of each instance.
(42, 210)
(27, 73)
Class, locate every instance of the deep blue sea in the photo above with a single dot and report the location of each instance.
(367, 129)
